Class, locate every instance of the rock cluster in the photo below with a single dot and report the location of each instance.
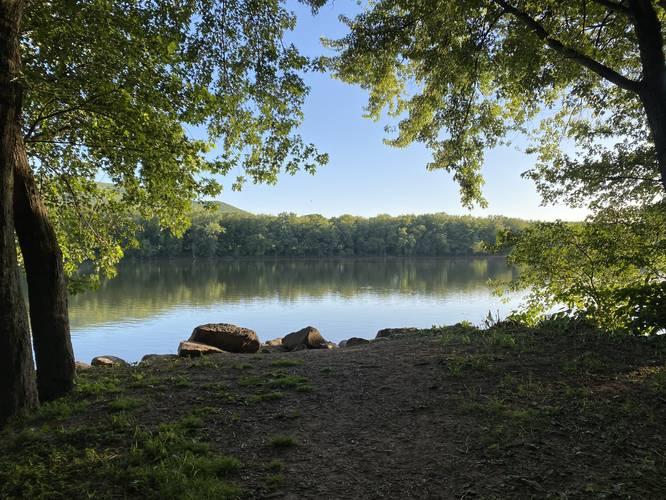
(217, 338)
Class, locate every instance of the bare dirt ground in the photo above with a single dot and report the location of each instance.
(508, 412)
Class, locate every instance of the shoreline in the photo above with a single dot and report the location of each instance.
(509, 412)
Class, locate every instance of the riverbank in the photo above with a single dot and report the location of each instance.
(508, 412)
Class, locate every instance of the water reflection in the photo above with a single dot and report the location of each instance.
(150, 305)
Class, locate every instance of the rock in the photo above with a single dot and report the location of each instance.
(81, 366)
(156, 358)
(390, 332)
(189, 349)
(274, 342)
(331, 345)
(307, 338)
(342, 343)
(355, 341)
(230, 338)
(108, 361)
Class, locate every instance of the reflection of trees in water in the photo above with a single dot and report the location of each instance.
(146, 288)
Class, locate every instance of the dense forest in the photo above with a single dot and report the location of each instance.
(228, 234)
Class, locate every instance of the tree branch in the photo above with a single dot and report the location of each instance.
(586, 61)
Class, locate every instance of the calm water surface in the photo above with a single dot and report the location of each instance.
(150, 306)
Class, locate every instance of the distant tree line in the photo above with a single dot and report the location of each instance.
(215, 234)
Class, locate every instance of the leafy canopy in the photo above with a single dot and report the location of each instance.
(612, 269)
(156, 96)
(464, 76)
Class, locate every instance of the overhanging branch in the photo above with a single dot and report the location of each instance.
(586, 61)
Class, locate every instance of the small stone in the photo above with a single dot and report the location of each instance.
(355, 341)
(108, 361)
(390, 332)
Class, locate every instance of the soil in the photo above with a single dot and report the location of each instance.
(510, 412)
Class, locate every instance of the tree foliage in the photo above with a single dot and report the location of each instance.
(288, 235)
(157, 97)
(465, 76)
(612, 269)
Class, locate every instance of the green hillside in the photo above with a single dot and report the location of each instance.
(224, 208)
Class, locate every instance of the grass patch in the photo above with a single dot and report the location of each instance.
(282, 441)
(124, 404)
(275, 465)
(285, 380)
(274, 481)
(250, 380)
(267, 396)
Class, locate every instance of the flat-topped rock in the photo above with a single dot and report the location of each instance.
(227, 337)
(108, 361)
(81, 366)
(391, 332)
(189, 349)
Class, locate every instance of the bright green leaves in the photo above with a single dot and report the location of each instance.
(600, 267)
(463, 76)
(139, 93)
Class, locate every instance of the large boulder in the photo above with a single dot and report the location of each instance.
(307, 338)
(188, 349)
(108, 361)
(391, 332)
(274, 342)
(230, 338)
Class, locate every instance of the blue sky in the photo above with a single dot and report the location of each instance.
(367, 177)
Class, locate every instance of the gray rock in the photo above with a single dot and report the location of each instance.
(391, 332)
(230, 338)
(355, 341)
(307, 338)
(188, 349)
(108, 361)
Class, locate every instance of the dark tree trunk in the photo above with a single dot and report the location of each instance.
(653, 86)
(654, 102)
(17, 375)
(47, 286)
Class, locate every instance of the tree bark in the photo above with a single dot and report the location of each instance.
(653, 85)
(654, 103)
(17, 376)
(47, 285)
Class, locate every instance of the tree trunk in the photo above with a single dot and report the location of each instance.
(17, 375)
(47, 286)
(654, 103)
(653, 86)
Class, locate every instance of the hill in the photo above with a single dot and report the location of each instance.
(224, 208)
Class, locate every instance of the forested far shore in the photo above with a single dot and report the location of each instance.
(224, 234)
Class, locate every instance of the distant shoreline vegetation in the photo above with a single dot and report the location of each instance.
(226, 233)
